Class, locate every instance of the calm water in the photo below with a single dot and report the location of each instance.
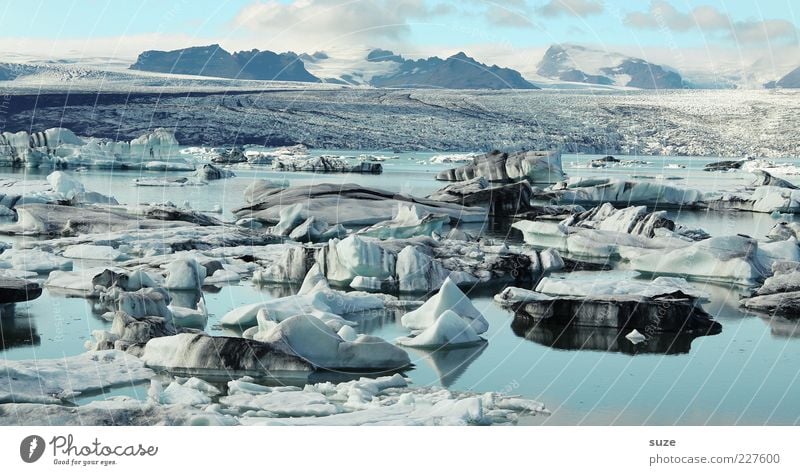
(747, 374)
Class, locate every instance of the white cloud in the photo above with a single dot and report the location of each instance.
(507, 17)
(581, 8)
(315, 24)
(709, 20)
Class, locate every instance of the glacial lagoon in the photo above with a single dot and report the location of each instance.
(747, 374)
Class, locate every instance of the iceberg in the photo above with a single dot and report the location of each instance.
(451, 298)
(724, 259)
(764, 199)
(346, 204)
(635, 337)
(209, 172)
(418, 271)
(780, 294)
(312, 340)
(500, 199)
(448, 330)
(668, 313)
(54, 381)
(408, 222)
(33, 260)
(585, 283)
(533, 166)
(190, 353)
(94, 252)
(324, 164)
(314, 298)
(595, 191)
(61, 148)
(14, 289)
(185, 273)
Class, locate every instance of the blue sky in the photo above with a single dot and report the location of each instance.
(494, 31)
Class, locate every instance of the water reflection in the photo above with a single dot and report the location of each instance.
(370, 321)
(783, 327)
(276, 291)
(574, 337)
(448, 363)
(16, 330)
(185, 298)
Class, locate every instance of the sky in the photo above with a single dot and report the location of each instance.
(684, 34)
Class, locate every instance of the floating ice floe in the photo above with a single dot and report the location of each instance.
(769, 166)
(94, 252)
(533, 166)
(168, 182)
(345, 204)
(190, 317)
(585, 283)
(92, 281)
(59, 187)
(504, 199)
(69, 220)
(408, 222)
(312, 340)
(449, 298)
(198, 353)
(324, 164)
(725, 259)
(780, 293)
(449, 329)
(60, 148)
(299, 226)
(671, 312)
(53, 381)
(184, 273)
(314, 298)
(33, 260)
(452, 158)
(209, 172)
(366, 401)
(596, 191)
(605, 239)
(172, 239)
(421, 264)
(15, 289)
(764, 178)
(635, 337)
(764, 199)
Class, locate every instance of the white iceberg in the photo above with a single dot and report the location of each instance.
(185, 273)
(33, 260)
(52, 381)
(95, 252)
(311, 339)
(588, 283)
(448, 330)
(449, 297)
(625, 192)
(635, 337)
(724, 259)
(408, 222)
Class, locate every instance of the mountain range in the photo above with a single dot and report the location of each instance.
(561, 66)
(214, 61)
(455, 72)
(790, 80)
(573, 63)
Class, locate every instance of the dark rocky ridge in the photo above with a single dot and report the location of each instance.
(456, 72)
(790, 81)
(214, 61)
